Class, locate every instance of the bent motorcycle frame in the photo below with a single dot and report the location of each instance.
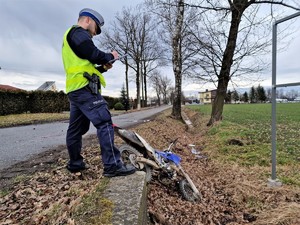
(154, 163)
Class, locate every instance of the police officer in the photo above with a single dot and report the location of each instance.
(79, 58)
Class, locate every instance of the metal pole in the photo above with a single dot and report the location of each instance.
(273, 181)
(274, 47)
(287, 18)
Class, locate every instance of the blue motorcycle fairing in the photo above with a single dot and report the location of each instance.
(169, 156)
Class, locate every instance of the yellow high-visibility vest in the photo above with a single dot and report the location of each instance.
(75, 68)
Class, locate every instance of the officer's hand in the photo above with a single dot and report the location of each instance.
(107, 66)
(115, 54)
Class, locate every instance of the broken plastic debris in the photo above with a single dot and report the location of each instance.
(193, 150)
(198, 154)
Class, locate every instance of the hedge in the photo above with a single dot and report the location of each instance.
(17, 102)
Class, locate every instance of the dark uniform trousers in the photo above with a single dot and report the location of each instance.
(86, 107)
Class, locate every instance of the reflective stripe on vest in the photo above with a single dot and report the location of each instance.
(75, 67)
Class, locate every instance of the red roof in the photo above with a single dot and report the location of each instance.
(9, 88)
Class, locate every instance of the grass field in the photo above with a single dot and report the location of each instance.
(37, 118)
(244, 136)
(31, 118)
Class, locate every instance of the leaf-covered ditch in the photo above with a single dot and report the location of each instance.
(231, 193)
(42, 191)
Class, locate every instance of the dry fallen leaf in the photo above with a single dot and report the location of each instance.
(230, 195)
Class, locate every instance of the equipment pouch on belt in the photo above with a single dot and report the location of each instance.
(94, 82)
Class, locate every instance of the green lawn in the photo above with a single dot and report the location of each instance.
(251, 125)
(36, 118)
(31, 118)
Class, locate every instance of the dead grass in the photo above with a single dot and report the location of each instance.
(94, 209)
(31, 118)
(232, 194)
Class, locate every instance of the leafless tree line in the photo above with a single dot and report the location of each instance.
(206, 40)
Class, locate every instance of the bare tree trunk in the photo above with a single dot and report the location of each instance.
(158, 99)
(126, 79)
(224, 77)
(218, 104)
(145, 85)
(177, 60)
(176, 110)
(142, 89)
(138, 88)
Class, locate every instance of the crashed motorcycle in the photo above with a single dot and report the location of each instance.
(165, 164)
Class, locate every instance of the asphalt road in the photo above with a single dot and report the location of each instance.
(20, 143)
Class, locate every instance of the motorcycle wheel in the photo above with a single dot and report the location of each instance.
(186, 191)
(129, 154)
(164, 179)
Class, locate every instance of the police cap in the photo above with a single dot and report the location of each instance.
(95, 16)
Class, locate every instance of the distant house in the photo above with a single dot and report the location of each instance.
(47, 86)
(207, 97)
(297, 99)
(281, 100)
(9, 88)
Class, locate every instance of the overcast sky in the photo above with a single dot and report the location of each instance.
(31, 39)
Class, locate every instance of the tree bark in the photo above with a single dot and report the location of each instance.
(138, 88)
(177, 60)
(145, 87)
(142, 90)
(126, 79)
(237, 9)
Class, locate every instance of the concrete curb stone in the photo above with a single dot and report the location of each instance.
(129, 196)
(187, 121)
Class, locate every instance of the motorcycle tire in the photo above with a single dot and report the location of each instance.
(164, 179)
(186, 191)
(128, 155)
